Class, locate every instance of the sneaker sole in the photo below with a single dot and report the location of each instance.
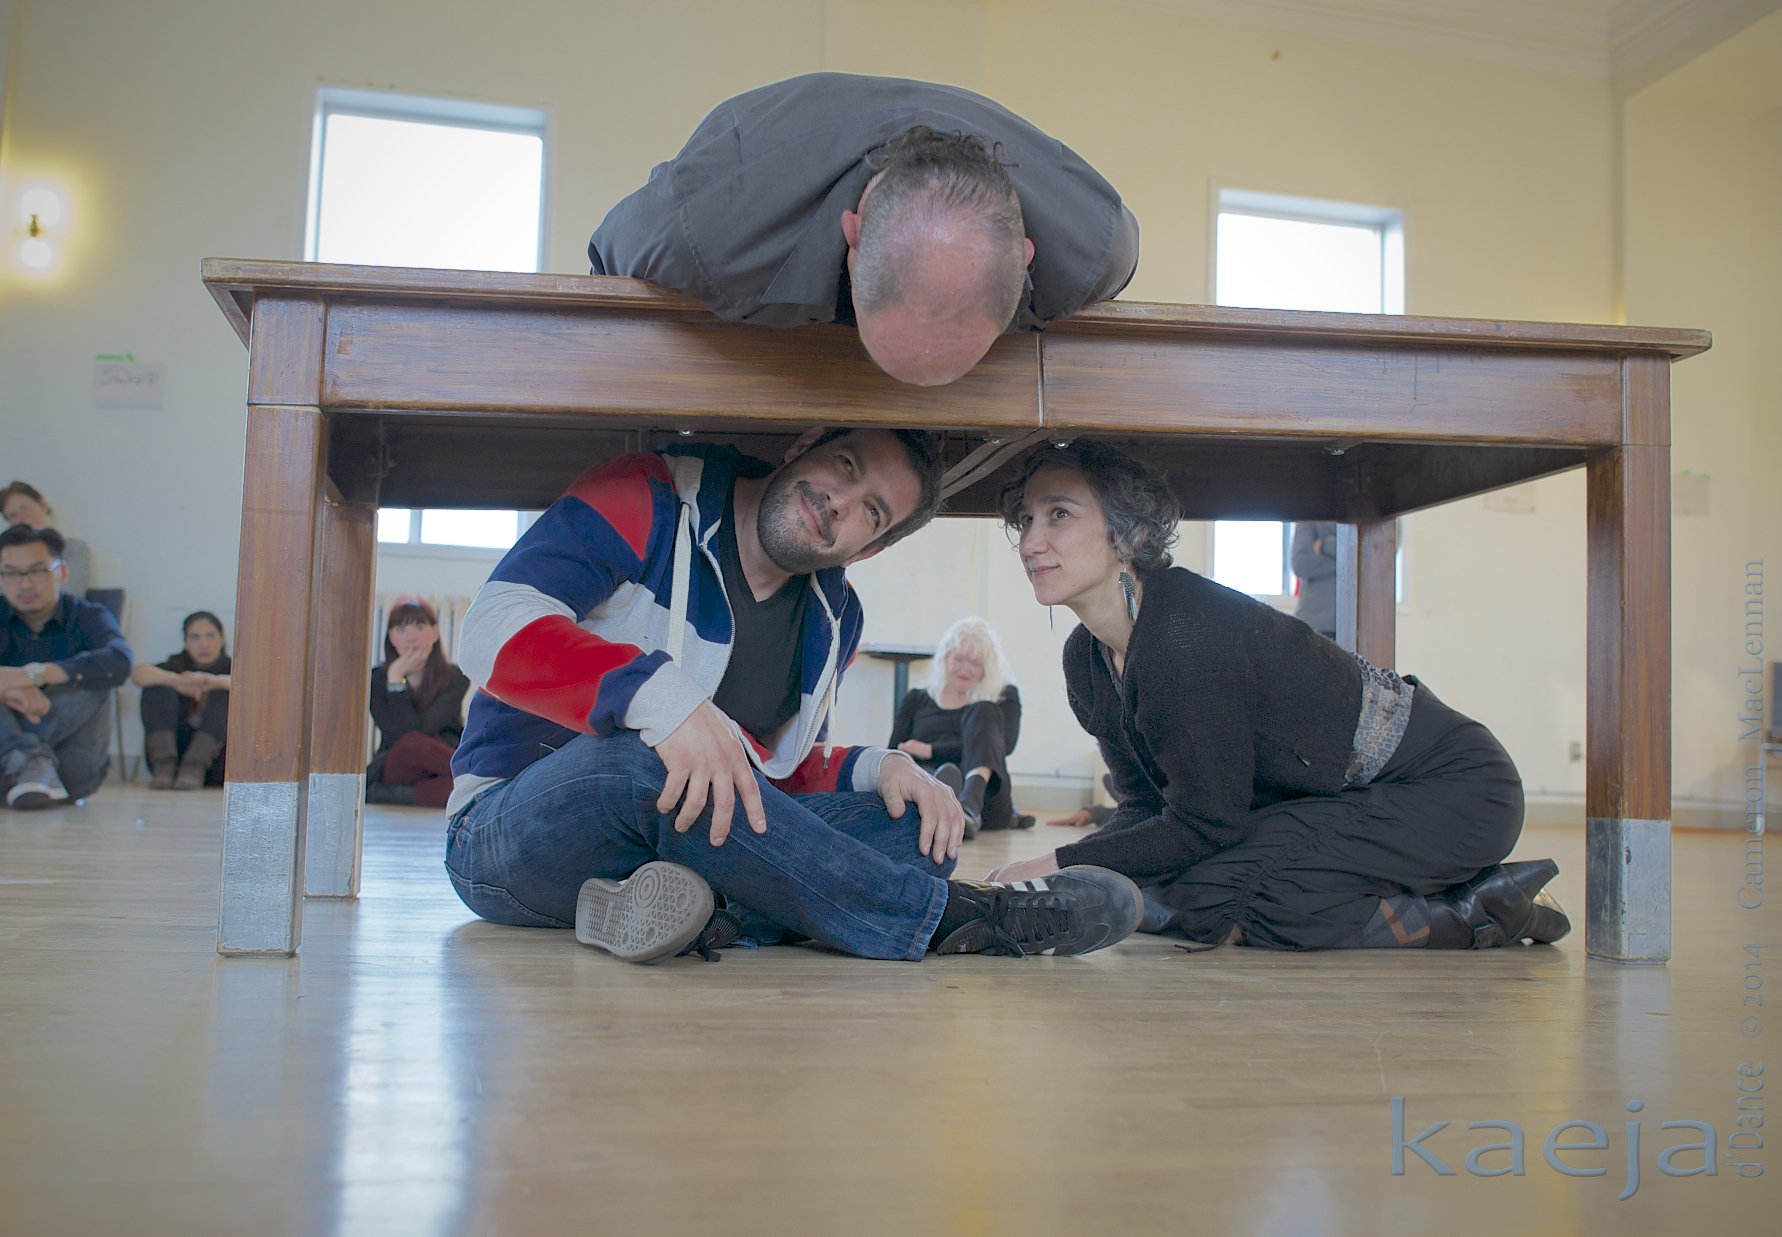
(32, 800)
(654, 913)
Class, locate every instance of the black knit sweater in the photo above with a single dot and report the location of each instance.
(1225, 705)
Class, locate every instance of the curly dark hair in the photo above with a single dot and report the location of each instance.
(924, 173)
(1137, 502)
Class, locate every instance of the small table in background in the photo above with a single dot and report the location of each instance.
(900, 656)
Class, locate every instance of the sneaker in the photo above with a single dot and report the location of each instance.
(36, 784)
(1070, 912)
(656, 912)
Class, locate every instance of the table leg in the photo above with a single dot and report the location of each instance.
(262, 906)
(340, 669)
(1628, 718)
(1367, 590)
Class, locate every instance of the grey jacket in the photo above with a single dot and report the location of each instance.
(748, 216)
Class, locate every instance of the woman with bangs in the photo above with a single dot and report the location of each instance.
(417, 701)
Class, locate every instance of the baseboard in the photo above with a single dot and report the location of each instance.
(1685, 813)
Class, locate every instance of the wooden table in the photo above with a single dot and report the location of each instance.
(372, 386)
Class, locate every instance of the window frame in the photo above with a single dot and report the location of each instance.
(523, 520)
(328, 100)
(1389, 222)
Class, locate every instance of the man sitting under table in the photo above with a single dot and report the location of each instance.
(658, 659)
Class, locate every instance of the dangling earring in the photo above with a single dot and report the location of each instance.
(1051, 619)
(1129, 586)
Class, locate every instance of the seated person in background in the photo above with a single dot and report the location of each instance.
(22, 504)
(968, 715)
(185, 708)
(417, 701)
(60, 657)
(1314, 564)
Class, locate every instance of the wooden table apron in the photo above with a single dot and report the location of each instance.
(372, 386)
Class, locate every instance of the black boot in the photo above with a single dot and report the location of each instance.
(1532, 875)
(950, 776)
(1492, 909)
(972, 800)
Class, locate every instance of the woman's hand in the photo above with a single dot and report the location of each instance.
(1026, 869)
(406, 665)
(917, 749)
(190, 684)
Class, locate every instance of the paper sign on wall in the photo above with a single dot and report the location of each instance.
(125, 382)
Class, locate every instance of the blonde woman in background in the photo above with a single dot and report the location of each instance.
(963, 723)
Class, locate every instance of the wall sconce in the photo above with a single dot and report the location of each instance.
(42, 210)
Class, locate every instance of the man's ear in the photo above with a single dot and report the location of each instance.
(850, 222)
(802, 444)
(1028, 241)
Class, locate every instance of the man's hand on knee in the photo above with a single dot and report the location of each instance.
(943, 820)
(28, 702)
(706, 763)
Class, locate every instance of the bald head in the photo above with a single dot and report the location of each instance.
(937, 255)
(942, 299)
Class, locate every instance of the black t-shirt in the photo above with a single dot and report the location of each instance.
(760, 687)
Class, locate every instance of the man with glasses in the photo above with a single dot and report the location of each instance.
(60, 657)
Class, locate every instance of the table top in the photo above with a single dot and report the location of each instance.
(1259, 413)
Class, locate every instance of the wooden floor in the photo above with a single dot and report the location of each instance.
(416, 1071)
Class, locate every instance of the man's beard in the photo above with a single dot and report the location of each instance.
(780, 526)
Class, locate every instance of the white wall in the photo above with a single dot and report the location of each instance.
(181, 130)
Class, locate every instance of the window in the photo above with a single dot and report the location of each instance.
(487, 530)
(399, 180)
(1278, 252)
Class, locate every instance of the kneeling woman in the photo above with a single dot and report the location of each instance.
(185, 708)
(417, 701)
(1273, 788)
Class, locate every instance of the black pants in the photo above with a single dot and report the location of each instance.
(984, 744)
(1311, 875)
(165, 709)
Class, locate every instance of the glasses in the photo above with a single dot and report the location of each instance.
(9, 576)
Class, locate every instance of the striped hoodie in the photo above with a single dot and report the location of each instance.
(583, 629)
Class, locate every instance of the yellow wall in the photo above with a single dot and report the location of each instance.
(1705, 245)
(182, 130)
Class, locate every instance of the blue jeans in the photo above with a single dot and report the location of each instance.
(73, 734)
(833, 867)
